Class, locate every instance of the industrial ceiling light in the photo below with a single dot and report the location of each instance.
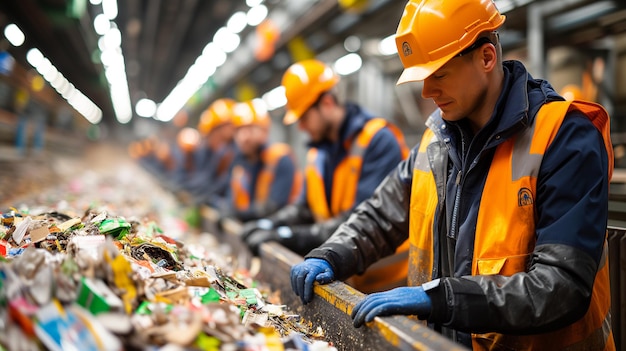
(387, 46)
(145, 108)
(256, 15)
(14, 34)
(74, 97)
(237, 22)
(275, 98)
(216, 56)
(253, 3)
(109, 7)
(101, 24)
(348, 64)
(226, 40)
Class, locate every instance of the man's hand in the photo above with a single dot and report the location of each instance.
(405, 301)
(304, 274)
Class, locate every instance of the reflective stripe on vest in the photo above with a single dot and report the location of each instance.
(505, 231)
(346, 175)
(240, 182)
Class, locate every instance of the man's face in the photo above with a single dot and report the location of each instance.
(315, 124)
(458, 88)
(250, 138)
(221, 135)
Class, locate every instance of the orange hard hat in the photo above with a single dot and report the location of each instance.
(431, 32)
(218, 113)
(188, 139)
(253, 112)
(162, 151)
(304, 82)
(571, 92)
(134, 150)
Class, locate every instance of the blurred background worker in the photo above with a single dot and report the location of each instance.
(507, 251)
(350, 153)
(264, 177)
(215, 154)
(32, 114)
(187, 140)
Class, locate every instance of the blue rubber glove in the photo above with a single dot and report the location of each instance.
(304, 274)
(405, 301)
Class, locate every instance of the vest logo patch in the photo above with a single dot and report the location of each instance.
(524, 197)
(406, 49)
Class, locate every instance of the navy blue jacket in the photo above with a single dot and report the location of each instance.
(279, 194)
(210, 180)
(381, 157)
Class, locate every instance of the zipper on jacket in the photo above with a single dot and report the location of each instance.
(457, 202)
(457, 181)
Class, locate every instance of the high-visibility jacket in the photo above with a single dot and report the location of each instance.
(390, 272)
(241, 182)
(505, 231)
(346, 174)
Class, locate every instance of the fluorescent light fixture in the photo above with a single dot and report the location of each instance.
(112, 38)
(34, 57)
(226, 40)
(237, 22)
(387, 46)
(275, 98)
(109, 7)
(95, 2)
(198, 74)
(74, 97)
(216, 56)
(260, 106)
(101, 24)
(175, 101)
(348, 64)
(112, 57)
(145, 108)
(44, 66)
(352, 43)
(14, 34)
(253, 3)
(256, 15)
(50, 74)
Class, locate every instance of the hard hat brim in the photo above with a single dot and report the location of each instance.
(291, 117)
(421, 72)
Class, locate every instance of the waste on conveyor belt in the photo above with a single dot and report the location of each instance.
(91, 279)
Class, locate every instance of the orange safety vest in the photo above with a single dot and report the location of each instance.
(270, 158)
(389, 272)
(505, 231)
(346, 175)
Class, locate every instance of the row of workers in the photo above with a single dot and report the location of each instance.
(504, 202)
(230, 164)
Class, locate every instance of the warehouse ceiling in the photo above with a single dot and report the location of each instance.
(161, 39)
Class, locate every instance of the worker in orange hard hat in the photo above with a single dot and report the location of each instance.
(187, 141)
(350, 153)
(215, 154)
(504, 201)
(264, 176)
(165, 162)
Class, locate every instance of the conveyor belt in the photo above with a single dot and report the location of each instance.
(333, 303)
